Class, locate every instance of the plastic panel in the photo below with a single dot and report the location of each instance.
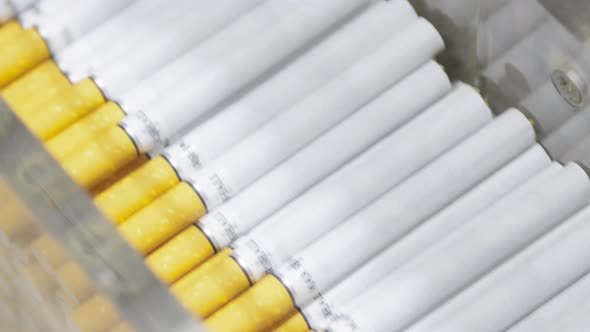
(526, 53)
(57, 251)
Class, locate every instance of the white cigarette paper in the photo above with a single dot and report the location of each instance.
(325, 155)
(309, 72)
(361, 181)
(517, 287)
(333, 256)
(320, 313)
(467, 253)
(304, 122)
(200, 95)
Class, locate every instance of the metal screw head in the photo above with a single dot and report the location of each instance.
(570, 85)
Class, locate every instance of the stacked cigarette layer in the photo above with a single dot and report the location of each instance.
(311, 166)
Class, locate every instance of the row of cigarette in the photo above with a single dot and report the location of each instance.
(311, 166)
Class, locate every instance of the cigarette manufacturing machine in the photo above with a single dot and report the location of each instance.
(294, 166)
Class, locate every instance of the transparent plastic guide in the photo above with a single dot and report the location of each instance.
(530, 54)
(49, 223)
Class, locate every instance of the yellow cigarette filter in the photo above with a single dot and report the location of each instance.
(21, 51)
(165, 217)
(8, 30)
(48, 251)
(295, 323)
(15, 221)
(122, 327)
(39, 278)
(16, 224)
(28, 93)
(180, 255)
(84, 130)
(267, 303)
(137, 190)
(97, 314)
(75, 282)
(188, 279)
(120, 175)
(65, 109)
(101, 158)
(210, 286)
